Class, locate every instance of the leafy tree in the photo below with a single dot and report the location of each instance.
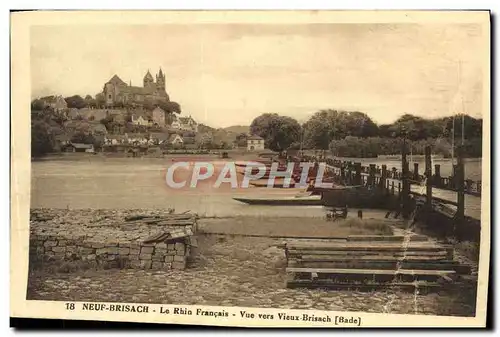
(38, 105)
(149, 105)
(90, 102)
(100, 100)
(326, 125)
(473, 128)
(81, 137)
(42, 140)
(241, 140)
(170, 107)
(75, 101)
(279, 132)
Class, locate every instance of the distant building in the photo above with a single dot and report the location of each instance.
(158, 116)
(141, 119)
(159, 137)
(137, 139)
(255, 143)
(175, 125)
(188, 124)
(74, 113)
(114, 139)
(116, 91)
(58, 103)
(176, 140)
(78, 147)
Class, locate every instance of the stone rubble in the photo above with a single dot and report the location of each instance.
(110, 237)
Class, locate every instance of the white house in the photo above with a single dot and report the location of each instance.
(137, 138)
(188, 124)
(255, 143)
(175, 125)
(140, 119)
(175, 140)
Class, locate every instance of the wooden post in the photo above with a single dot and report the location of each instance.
(406, 184)
(437, 175)
(460, 180)
(371, 177)
(453, 179)
(468, 185)
(383, 177)
(428, 175)
(357, 177)
(416, 176)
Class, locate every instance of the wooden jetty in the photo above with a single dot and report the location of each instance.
(402, 184)
(373, 262)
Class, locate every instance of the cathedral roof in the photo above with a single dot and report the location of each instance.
(140, 90)
(148, 76)
(116, 80)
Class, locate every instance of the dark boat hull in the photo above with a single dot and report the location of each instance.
(281, 202)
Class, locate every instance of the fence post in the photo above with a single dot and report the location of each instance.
(371, 177)
(428, 175)
(460, 179)
(406, 183)
(357, 177)
(416, 176)
(437, 175)
(383, 177)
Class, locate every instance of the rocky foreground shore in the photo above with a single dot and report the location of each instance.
(225, 270)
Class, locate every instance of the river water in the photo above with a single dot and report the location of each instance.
(95, 182)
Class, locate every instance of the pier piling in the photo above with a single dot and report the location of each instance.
(357, 177)
(460, 179)
(383, 176)
(428, 175)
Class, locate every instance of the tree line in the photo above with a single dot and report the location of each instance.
(78, 102)
(355, 134)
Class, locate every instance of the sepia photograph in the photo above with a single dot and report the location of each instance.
(284, 169)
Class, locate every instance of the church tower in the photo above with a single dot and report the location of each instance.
(148, 80)
(160, 81)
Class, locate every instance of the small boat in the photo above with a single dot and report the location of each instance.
(278, 183)
(307, 200)
(334, 188)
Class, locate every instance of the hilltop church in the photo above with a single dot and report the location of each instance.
(116, 91)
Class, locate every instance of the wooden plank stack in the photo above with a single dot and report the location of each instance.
(372, 262)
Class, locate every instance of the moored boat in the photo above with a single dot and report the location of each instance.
(308, 200)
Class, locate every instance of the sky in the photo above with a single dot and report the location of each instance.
(228, 74)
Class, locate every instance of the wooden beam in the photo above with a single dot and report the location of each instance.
(390, 238)
(371, 271)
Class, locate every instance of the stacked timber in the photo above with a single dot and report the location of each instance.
(373, 262)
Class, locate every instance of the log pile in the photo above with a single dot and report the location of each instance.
(374, 262)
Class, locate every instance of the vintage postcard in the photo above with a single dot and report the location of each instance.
(252, 169)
